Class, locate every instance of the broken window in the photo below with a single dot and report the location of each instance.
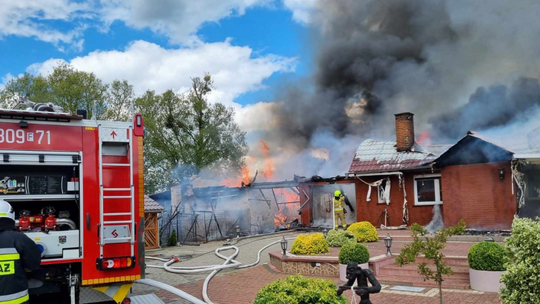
(383, 191)
(427, 190)
(533, 184)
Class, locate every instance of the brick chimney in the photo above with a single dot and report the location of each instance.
(404, 131)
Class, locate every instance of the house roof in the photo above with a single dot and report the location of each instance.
(382, 156)
(151, 205)
(473, 149)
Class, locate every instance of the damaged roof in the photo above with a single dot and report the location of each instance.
(151, 205)
(473, 149)
(382, 156)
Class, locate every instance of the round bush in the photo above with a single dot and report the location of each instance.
(364, 232)
(310, 244)
(338, 238)
(487, 256)
(299, 290)
(353, 252)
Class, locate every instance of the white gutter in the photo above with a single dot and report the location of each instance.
(374, 174)
(526, 156)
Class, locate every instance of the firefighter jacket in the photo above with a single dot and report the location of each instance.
(338, 203)
(18, 254)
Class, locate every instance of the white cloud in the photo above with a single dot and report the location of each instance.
(149, 66)
(302, 9)
(29, 18)
(178, 20)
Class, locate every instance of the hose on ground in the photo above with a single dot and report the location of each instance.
(171, 289)
(229, 262)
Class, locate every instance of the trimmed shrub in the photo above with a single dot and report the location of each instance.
(487, 256)
(353, 252)
(338, 238)
(523, 268)
(299, 290)
(173, 239)
(310, 244)
(364, 232)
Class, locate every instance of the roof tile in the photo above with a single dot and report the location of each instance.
(381, 156)
(151, 205)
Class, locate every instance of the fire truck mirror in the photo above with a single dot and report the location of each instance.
(88, 221)
(23, 124)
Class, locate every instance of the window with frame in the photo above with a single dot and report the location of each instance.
(427, 190)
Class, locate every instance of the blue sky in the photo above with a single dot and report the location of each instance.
(265, 38)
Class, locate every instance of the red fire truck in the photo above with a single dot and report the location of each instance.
(77, 188)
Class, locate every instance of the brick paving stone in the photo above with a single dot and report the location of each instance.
(241, 286)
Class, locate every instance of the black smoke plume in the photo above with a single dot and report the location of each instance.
(380, 57)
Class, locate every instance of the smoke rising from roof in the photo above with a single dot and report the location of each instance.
(495, 106)
(456, 64)
(429, 57)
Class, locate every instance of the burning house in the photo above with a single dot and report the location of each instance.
(397, 183)
(392, 182)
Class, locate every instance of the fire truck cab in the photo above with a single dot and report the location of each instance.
(77, 188)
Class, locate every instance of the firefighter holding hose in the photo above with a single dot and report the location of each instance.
(18, 255)
(339, 214)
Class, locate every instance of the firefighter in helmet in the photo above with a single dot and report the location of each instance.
(18, 255)
(339, 214)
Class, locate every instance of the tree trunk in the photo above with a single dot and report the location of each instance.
(440, 292)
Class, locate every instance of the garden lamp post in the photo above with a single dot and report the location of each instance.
(325, 232)
(237, 231)
(284, 246)
(388, 244)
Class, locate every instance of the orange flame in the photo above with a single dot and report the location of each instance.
(244, 175)
(425, 138)
(280, 219)
(269, 167)
(267, 171)
(286, 214)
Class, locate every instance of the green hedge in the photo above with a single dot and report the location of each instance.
(299, 290)
(523, 268)
(353, 252)
(488, 256)
(338, 238)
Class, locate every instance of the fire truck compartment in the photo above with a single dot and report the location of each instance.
(57, 244)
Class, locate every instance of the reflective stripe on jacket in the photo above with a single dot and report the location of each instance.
(15, 298)
(338, 203)
(18, 254)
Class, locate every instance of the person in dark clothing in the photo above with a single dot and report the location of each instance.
(18, 255)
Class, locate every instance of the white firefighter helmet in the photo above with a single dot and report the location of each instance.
(6, 211)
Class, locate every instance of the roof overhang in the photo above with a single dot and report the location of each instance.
(531, 158)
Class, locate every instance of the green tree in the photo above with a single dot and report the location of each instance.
(120, 97)
(185, 134)
(72, 89)
(66, 87)
(35, 87)
(431, 247)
